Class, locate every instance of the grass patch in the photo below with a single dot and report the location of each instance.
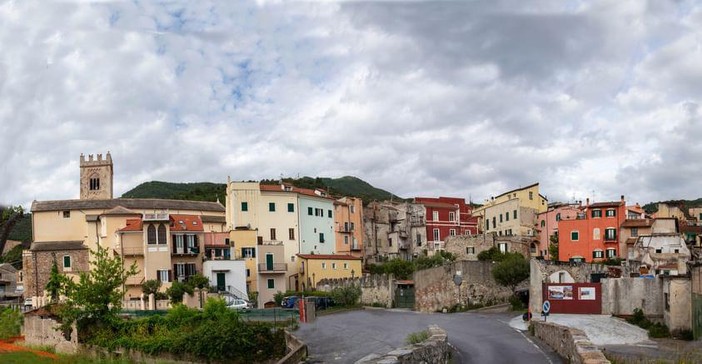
(25, 357)
(417, 337)
(655, 330)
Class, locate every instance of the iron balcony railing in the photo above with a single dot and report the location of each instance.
(275, 267)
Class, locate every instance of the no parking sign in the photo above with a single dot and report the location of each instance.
(546, 307)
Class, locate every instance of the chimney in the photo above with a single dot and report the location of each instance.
(622, 198)
(587, 201)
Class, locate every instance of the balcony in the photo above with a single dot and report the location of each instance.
(192, 251)
(610, 240)
(156, 217)
(272, 268)
(356, 247)
(270, 242)
(132, 251)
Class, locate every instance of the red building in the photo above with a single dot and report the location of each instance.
(447, 216)
(594, 234)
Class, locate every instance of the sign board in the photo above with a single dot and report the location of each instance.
(546, 307)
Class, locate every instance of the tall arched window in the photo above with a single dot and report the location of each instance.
(543, 223)
(558, 216)
(596, 234)
(151, 234)
(161, 234)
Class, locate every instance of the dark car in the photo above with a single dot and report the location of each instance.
(322, 303)
(289, 302)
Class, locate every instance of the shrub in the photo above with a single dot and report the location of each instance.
(658, 331)
(417, 337)
(516, 303)
(10, 322)
(346, 296)
(278, 297)
(176, 291)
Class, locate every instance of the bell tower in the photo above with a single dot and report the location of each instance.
(96, 177)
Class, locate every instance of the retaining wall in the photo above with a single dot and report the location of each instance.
(435, 349)
(44, 331)
(297, 350)
(571, 344)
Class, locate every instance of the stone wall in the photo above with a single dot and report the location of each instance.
(571, 344)
(44, 331)
(435, 349)
(375, 288)
(541, 271)
(297, 350)
(468, 247)
(37, 267)
(620, 296)
(435, 288)
(677, 312)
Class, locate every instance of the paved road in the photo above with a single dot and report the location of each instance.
(479, 338)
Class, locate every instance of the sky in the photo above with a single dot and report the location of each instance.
(592, 99)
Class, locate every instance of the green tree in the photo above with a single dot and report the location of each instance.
(553, 246)
(400, 268)
(11, 321)
(511, 271)
(56, 284)
(176, 291)
(346, 296)
(491, 255)
(438, 259)
(97, 296)
(9, 216)
(151, 286)
(198, 281)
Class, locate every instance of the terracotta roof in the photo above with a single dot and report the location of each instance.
(328, 256)
(213, 219)
(57, 245)
(119, 211)
(129, 203)
(637, 223)
(606, 204)
(186, 223)
(441, 205)
(293, 189)
(517, 189)
(691, 229)
(133, 225)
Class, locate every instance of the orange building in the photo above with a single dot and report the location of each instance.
(594, 234)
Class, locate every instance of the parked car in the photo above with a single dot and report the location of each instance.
(238, 304)
(289, 302)
(322, 303)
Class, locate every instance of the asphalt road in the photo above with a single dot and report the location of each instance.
(478, 337)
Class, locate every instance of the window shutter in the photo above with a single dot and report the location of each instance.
(253, 252)
(594, 254)
(242, 252)
(175, 269)
(173, 242)
(170, 276)
(158, 276)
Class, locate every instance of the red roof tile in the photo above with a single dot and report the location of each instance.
(328, 256)
(637, 223)
(186, 223)
(133, 225)
(292, 189)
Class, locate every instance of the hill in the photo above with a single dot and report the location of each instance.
(200, 191)
(205, 191)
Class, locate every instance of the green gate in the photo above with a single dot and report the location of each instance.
(404, 296)
(697, 315)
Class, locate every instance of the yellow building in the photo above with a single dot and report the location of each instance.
(313, 268)
(513, 212)
(146, 231)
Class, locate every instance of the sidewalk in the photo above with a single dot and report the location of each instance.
(600, 329)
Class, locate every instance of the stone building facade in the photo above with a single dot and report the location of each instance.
(96, 176)
(436, 288)
(395, 230)
(71, 257)
(468, 247)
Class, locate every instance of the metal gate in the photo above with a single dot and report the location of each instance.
(404, 296)
(697, 316)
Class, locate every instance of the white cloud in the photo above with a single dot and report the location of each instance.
(420, 98)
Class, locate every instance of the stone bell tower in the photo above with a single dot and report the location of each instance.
(96, 177)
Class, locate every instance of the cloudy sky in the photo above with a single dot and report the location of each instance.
(465, 98)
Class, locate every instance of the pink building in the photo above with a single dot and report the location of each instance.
(547, 225)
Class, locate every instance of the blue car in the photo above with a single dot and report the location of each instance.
(289, 302)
